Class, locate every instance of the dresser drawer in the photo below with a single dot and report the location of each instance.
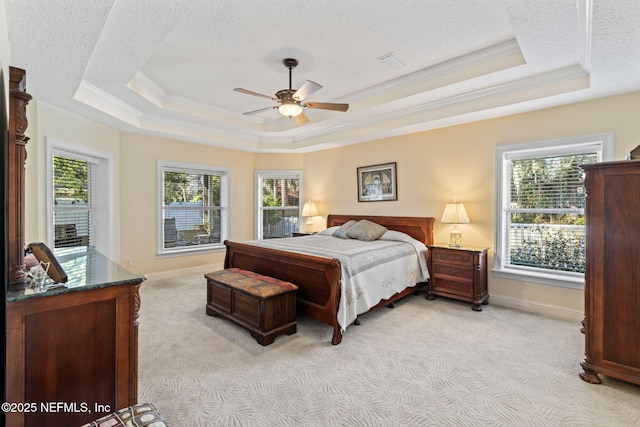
(454, 287)
(460, 273)
(452, 257)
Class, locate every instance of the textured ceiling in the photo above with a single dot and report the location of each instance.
(169, 67)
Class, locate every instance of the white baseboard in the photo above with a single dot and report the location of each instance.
(537, 308)
(200, 269)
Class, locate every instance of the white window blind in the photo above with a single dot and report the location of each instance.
(545, 214)
(74, 201)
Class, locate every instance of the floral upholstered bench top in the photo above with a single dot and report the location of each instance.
(252, 283)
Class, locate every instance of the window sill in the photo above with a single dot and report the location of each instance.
(190, 250)
(560, 280)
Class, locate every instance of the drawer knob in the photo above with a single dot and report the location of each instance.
(452, 271)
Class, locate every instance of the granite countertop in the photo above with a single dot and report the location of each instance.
(86, 269)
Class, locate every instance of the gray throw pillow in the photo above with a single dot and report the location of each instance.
(366, 231)
(341, 232)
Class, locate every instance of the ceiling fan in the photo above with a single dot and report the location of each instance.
(290, 101)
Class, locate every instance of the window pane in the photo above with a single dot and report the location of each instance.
(191, 209)
(280, 192)
(72, 210)
(549, 182)
(279, 223)
(70, 182)
(191, 188)
(548, 246)
(546, 212)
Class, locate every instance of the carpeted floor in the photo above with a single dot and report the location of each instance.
(423, 363)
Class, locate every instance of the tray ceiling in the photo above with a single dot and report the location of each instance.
(168, 67)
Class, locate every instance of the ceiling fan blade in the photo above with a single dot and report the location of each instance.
(250, 92)
(260, 110)
(301, 119)
(307, 88)
(327, 106)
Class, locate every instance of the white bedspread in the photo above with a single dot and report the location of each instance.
(371, 271)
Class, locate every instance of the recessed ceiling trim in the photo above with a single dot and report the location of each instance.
(585, 32)
(100, 100)
(146, 88)
(464, 62)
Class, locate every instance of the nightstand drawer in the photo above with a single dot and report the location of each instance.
(452, 257)
(453, 287)
(462, 273)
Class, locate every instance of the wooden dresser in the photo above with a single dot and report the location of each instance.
(72, 352)
(612, 277)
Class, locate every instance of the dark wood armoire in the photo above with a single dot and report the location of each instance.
(612, 278)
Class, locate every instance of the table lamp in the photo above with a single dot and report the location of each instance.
(309, 210)
(454, 213)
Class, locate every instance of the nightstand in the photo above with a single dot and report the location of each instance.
(459, 273)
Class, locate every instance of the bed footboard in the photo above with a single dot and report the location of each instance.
(318, 279)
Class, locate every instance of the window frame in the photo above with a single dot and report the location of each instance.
(225, 186)
(602, 143)
(103, 191)
(274, 174)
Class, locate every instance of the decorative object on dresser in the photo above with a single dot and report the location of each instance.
(612, 274)
(309, 211)
(319, 278)
(265, 306)
(377, 183)
(634, 154)
(454, 213)
(459, 273)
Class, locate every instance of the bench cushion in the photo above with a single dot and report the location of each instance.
(252, 283)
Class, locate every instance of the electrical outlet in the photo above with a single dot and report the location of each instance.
(127, 261)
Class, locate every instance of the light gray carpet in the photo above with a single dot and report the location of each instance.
(423, 363)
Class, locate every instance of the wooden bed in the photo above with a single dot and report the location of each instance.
(318, 279)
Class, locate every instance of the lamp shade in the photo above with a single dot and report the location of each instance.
(309, 209)
(454, 213)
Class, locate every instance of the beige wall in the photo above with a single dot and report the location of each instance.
(139, 197)
(5, 58)
(46, 121)
(437, 165)
(432, 166)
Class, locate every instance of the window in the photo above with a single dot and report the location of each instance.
(73, 201)
(278, 203)
(193, 207)
(78, 196)
(540, 228)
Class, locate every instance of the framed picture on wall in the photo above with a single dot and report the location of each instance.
(377, 183)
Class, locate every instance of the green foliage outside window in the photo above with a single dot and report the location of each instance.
(70, 180)
(547, 196)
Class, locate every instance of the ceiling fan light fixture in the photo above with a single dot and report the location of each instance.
(290, 109)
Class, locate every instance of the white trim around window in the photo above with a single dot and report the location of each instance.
(260, 176)
(197, 240)
(102, 189)
(600, 143)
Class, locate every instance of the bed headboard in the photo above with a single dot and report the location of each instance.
(420, 228)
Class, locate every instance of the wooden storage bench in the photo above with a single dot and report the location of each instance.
(264, 306)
